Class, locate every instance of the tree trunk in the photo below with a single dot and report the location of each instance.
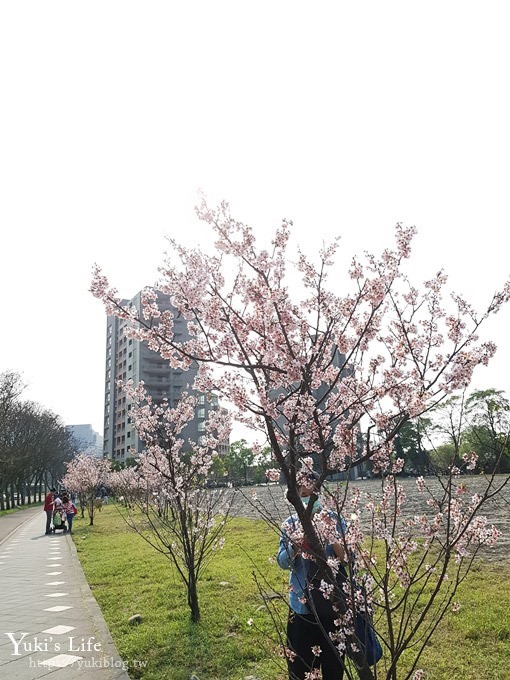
(193, 599)
(362, 669)
(364, 672)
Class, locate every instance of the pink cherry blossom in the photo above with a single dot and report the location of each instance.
(328, 366)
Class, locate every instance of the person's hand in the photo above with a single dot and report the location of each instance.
(339, 551)
(298, 548)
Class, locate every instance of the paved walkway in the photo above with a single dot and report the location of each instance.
(50, 624)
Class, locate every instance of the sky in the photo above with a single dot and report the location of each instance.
(344, 117)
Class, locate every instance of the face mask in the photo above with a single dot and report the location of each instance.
(316, 506)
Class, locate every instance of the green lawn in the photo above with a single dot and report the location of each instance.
(17, 508)
(128, 577)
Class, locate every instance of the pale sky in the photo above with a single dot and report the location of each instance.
(345, 117)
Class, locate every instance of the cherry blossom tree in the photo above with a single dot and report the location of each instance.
(166, 500)
(85, 474)
(329, 372)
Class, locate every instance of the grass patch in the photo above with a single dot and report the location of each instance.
(474, 643)
(17, 508)
(128, 577)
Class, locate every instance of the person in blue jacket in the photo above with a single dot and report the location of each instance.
(308, 646)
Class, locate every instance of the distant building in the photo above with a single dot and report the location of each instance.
(128, 359)
(86, 440)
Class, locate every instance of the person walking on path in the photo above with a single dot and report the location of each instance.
(48, 508)
(70, 511)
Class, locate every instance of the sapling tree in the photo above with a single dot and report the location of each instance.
(166, 499)
(85, 474)
(330, 372)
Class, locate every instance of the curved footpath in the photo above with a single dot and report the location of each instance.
(50, 624)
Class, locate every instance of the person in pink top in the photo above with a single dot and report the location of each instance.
(70, 510)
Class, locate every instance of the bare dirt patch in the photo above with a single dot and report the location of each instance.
(269, 501)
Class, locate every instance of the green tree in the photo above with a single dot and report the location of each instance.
(409, 445)
(34, 445)
(487, 434)
(445, 433)
(441, 457)
(238, 460)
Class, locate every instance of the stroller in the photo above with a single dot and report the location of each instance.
(58, 521)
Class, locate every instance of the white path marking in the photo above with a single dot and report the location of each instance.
(61, 660)
(57, 609)
(59, 630)
(56, 594)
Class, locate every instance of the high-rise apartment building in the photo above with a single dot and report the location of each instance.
(128, 359)
(86, 440)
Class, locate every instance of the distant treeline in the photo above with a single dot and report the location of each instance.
(34, 445)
